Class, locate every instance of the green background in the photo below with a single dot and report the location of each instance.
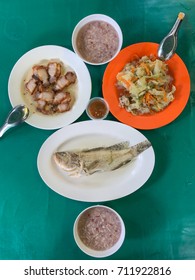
(36, 222)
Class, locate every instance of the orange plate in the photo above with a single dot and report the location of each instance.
(177, 70)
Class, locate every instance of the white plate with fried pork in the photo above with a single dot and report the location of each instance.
(54, 83)
(96, 160)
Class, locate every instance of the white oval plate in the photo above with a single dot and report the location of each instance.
(34, 56)
(99, 186)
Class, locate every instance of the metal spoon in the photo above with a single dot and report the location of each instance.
(17, 115)
(168, 45)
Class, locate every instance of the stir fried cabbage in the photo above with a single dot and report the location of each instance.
(145, 85)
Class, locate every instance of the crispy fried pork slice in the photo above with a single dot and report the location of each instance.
(44, 107)
(61, 83)
(40, 73)
(62, 97)
(64, 81)
(54, 71)
(71, 77)
(31, 85)
(63, 107)
(46, 96)
(40, 105)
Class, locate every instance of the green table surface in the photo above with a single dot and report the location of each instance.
(36, 222)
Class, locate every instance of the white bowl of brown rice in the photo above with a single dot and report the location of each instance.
(99, 231)
(97, 39)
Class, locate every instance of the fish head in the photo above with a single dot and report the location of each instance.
(68, 161)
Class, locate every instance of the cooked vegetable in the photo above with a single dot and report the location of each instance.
(146, 86)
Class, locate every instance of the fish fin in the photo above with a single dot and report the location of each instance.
(119, 146)
(121, 164)
(92, 167)
(116, 147)
(75, 174)
(141, 147)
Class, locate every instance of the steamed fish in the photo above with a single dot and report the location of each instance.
(100, 159)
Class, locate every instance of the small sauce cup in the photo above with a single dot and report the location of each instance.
(97, 108)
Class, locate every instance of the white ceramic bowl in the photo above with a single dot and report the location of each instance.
(91, 18)
(99, 253)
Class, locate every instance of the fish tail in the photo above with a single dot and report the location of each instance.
(142, 146)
